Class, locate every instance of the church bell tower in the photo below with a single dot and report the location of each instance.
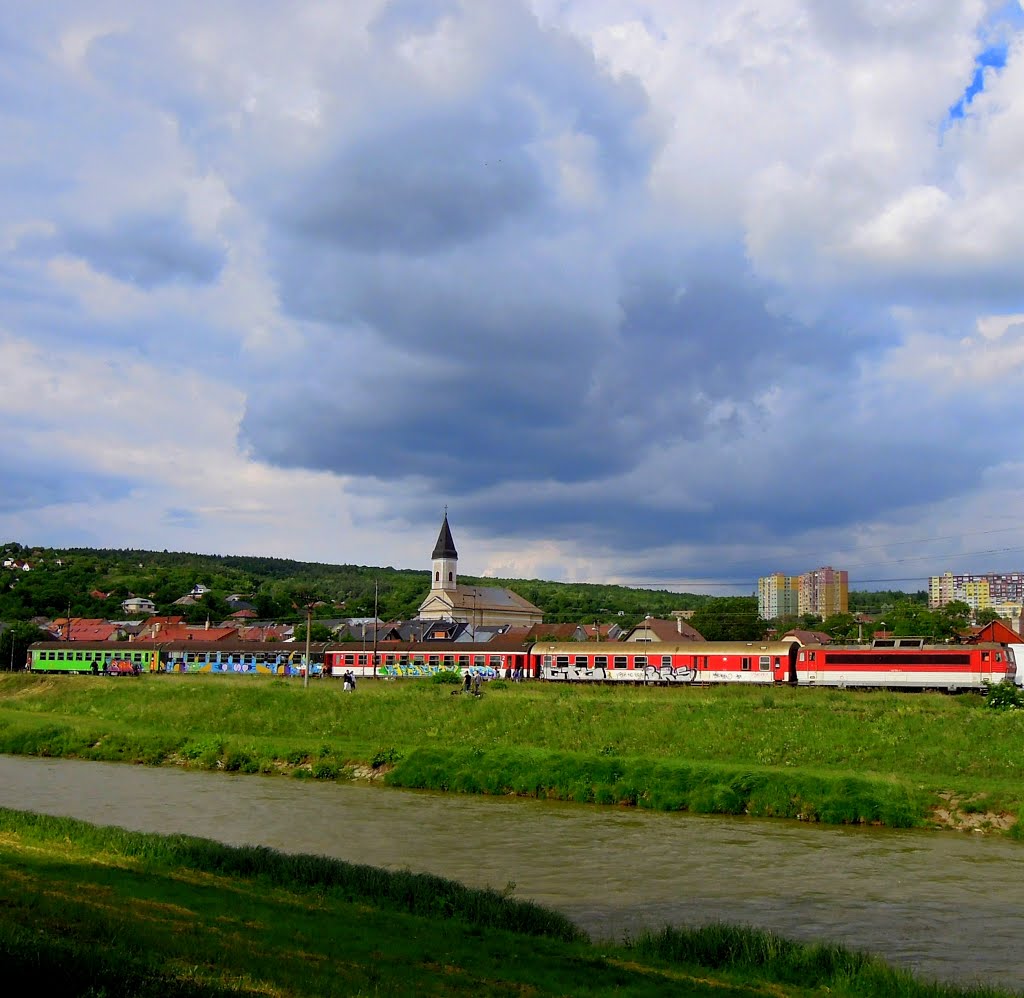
(444, 560)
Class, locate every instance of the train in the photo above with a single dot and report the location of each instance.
(893, 663)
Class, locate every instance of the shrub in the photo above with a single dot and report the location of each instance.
(1005, 696)
(447, 677)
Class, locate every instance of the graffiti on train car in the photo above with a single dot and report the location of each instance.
(647, 674)
(414, 670)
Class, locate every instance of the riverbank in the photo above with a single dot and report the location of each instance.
(819, 755)
(92, 910)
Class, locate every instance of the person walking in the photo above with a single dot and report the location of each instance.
(466, 681)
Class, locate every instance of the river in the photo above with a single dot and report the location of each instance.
(946, 905)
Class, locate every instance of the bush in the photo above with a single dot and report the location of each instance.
(447, 677)
(1005, 696)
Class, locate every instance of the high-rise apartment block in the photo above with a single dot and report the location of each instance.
(977, 591)
(824, 592)
(778, 596)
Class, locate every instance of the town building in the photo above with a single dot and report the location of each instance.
(655, 629)
(824, 591)
(778, 595)
(990, 589)
(477, 606)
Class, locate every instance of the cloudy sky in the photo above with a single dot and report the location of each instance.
(670, 292)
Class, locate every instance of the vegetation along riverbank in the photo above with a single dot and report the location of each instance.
(819, 755)
(102, 911)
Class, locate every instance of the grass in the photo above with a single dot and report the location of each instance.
(104, 912)
(827, 755)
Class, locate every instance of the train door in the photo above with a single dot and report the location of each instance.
(988, 663)
(810, 659)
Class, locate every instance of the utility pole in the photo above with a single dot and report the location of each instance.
(309, 627)
(374, 628)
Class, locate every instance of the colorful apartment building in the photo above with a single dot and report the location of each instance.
(825, 591)
(778, 595)
(992, 589)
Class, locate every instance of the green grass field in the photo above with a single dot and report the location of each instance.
(829, 755)
(97, 912)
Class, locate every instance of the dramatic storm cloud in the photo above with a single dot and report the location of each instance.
(642, 291)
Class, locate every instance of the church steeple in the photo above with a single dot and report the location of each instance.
(445, 559)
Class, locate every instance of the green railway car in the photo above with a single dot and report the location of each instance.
(66, 657)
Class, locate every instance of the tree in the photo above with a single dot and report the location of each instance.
(729, 618)
(840, 626)
(986, 616)
(317, 632)
(14, 641)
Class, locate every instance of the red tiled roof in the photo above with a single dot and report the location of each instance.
(667, 630)
(809, 637)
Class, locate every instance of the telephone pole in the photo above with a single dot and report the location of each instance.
(374, 628)
(309, 627)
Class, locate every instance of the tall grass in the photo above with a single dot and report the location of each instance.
(415, 893)
(665, 786)
(824, 967)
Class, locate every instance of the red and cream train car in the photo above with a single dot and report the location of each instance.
(665, 662)
(395, 660)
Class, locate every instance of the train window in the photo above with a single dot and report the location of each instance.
(640, 662)
(478, 660)
(621, 662)
(600, 661)
(449, 661)
(389, 659)
(984, 656)
(60, 656)
(666, 661)
(745, 666)
(765, 663)
(581, 661)
(362, 660)
(494, 660)
(433, 660)
(562, 661)
(350, 660)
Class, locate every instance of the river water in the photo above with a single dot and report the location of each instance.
(948, 906)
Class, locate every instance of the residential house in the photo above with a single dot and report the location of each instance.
(657, 629)
(138, 604)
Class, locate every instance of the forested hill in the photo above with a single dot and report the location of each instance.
(91, 582)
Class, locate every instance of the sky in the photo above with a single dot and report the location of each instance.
(667, 293)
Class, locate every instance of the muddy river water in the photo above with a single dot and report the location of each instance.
(944, 904)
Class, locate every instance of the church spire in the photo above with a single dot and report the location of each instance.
(445, 559)
(445, 546)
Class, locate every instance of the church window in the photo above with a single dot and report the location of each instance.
(437, 576)
(449, 576)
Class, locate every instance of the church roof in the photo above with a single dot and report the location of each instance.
(481, 598)
(445, 546)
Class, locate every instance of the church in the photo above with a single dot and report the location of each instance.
(478, 606)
